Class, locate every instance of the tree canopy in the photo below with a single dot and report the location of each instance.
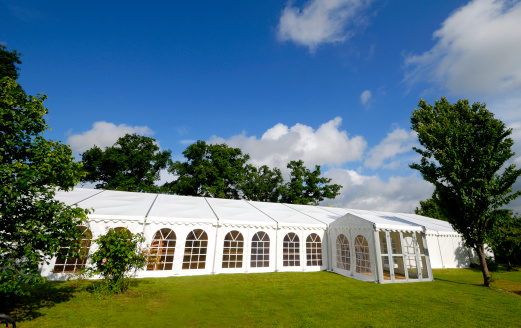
(133, 163)
(222, 171)
(465, 150)
(33, 225)
(8, 61)
(209, 170)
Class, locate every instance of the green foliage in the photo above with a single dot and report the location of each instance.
(307, 187)
(131, 164)
(506, 242)
(431, 208)
(209, 170)
(33, 225)
(262, 184)
(222, 172)
(464, 152)
(118, 256)
(8, 61)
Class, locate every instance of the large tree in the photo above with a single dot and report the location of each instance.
(465, 150)
(33, 225)
(8, 61)
(307, 187)
(133, 163)
(209, 170)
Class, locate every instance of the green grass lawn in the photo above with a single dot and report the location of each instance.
(316, 299)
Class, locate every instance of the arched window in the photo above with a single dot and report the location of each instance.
(195, 250)
(232, 250)
(313, 250)
(291, 250)
(260, 250)
(162, 250)
(363, 261)
(343, 255)
(73, 264)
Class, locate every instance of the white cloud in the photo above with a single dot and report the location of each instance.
(281, 144)
(397, 142)
(365, 97)
(103, 134)
(399, 194)
(320, 21)
(477, 51)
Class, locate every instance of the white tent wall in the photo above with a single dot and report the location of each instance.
(447, 250)
(287, 260)
(181, 230)
(243, 263)
(353, 269)
(434, 250)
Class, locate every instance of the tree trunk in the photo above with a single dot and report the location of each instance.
(483, 262)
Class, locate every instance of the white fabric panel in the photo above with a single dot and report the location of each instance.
(75, 196)
(119, 204)
(428, 223)
(434, 251)
(222, 232)
(448, 252)
(339, 212)
(272, 234)
(187, 209)
(286, 216)
(461, 253)
(316, 213)
(369, 236)
(238, 212)
(385, 220)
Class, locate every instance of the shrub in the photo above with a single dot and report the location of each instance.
(118, 256)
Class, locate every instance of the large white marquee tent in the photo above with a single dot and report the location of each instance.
(200, 235)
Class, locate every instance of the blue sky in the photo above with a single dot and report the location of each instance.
(332, 82)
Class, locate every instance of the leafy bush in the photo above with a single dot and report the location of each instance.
(118, 256)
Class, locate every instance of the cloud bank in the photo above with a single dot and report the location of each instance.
(477, 50)
(327, 145)
(398, 194)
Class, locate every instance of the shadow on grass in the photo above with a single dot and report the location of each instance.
(23, 308)
(458, 282)
(47, 295)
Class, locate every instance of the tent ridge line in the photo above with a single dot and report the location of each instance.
(216, 235)
(294, 209)
(96, 194)
(255, 207)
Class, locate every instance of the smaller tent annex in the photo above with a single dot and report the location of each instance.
(379, 247)
(199, 235)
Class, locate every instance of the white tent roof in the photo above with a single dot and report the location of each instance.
(109, 204)
(378, 220)
(285, 216)
(75, 196)
(428, 223)
(184, 209)
(231, 211)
